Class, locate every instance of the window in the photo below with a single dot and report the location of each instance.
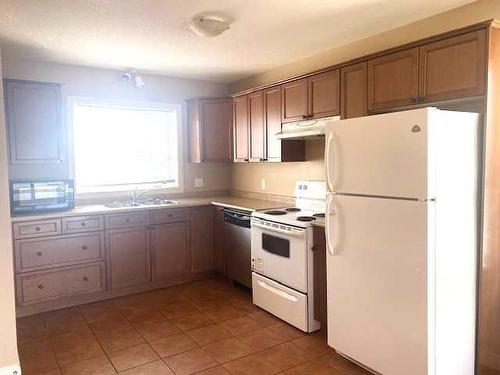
(125, 147)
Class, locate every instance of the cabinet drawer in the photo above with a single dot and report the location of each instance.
(168, 216)
(39, 253)
(82, 224)
(45, 285)
(129, 219)
(37, 228)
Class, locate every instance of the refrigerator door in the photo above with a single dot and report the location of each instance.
(382, 155)
(377, 282)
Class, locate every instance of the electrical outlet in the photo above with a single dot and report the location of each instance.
(198, 182)
(263, 183)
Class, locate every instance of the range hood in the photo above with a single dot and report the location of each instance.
(305, 129)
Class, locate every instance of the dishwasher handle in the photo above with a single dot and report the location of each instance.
(237, 218)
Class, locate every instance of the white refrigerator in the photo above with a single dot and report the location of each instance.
(401, 229)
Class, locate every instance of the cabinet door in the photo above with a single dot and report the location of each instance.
(324, 94)
(393, 80)
(453, 68)
(219, 240)
(216, 124)
(170, 250)
(202, 253)
(34, 122)
(128, 257)
(240, 128)
(294, 105)
(354, 81)
(256, 122)
(272, 111)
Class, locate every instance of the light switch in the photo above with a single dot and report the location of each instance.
(198, 182)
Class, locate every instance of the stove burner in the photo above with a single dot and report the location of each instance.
(319, 216)
(275, 212)
(306, 218)
(292, 209)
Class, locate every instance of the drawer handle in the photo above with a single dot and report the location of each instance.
(39, 253)
(85, 278)
(278, 292)
(38, 229)
(84, 247)
(40, 286)
(83, 224)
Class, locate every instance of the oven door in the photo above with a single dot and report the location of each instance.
(280, 253)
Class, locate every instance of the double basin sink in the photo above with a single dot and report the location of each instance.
(141, 203)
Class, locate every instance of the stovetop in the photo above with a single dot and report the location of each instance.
(301, 217)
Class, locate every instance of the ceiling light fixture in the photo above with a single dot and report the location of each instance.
(209, 26)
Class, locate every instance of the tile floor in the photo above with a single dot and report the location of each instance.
(207, 327)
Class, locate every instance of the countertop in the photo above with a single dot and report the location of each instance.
(247, 204)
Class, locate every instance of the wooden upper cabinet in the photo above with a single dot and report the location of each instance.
(294, 100)
(209, 124)
(272, 111)
(354, 81)
(393, 80)
(240, 129)
(201, 246)
(256, 125)
(453, 67)
(324, 94)
(34, 122)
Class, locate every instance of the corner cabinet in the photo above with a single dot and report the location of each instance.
(209, 128)
(36, 137)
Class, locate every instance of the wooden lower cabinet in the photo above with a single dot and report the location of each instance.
(128, 257)
(219, 240)
(169, 245)
(202, 254)
(42, 286)
(320, 280)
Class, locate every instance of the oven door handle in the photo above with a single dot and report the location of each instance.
(277, 291)
(299, 233)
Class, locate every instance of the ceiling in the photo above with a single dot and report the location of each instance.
(153, 36)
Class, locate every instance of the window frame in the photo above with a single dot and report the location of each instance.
(125, 190)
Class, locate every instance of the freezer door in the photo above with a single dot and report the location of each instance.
(377, 287)
(382, 155)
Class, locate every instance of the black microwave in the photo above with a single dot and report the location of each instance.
(41, 196)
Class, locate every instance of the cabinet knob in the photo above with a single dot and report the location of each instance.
(85, 278)
(39, 253)
(414, 100)
(84, 224)
(40, 286)
(84, 247)
(170, 215)
(127, 220)
(38, 229)
(247, 159)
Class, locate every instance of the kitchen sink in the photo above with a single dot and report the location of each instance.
(142, 203)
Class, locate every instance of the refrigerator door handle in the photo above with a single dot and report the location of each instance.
(329, 212)
(328, 163)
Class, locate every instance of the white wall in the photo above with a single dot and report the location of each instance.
(102, 83)
(8, 342)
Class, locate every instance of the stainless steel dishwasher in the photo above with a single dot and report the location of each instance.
(237, 233)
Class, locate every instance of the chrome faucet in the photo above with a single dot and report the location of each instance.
(136, 195)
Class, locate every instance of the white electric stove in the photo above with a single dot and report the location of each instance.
(282, 259)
